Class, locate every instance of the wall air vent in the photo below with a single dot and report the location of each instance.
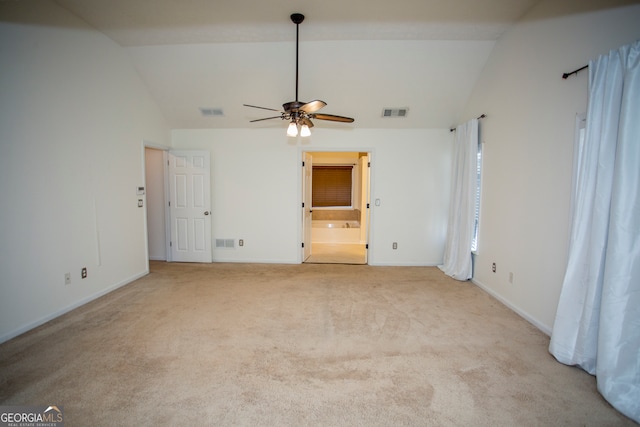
(211, 112)
(225, 243)
(395, 112)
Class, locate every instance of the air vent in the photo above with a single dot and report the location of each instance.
(211, 112)
(225, 243)
(395, 112)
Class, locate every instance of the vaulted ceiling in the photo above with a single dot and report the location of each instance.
(359, 56)
(162, 22)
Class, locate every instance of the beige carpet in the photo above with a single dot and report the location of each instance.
(297, 345)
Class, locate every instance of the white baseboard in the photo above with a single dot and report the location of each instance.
(526, 316)
(31, 325)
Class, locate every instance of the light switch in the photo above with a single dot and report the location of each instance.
(140, 203)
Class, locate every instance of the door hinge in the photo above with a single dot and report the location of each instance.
(368, 206)
(368, 164)
(303, 244)
(303, 163)
(366, 246)
(170, 244)
(169, 203)
(303, 204)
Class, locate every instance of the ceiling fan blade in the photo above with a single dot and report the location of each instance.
(266, 118)
(263, 108)
(307, 122)
(332, 118)
(313, 106)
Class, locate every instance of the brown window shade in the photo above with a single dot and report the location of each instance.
(331, 186)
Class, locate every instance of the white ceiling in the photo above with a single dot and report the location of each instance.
(160, 22)
(359, 56)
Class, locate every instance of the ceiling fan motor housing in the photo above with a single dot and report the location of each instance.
(292, 106)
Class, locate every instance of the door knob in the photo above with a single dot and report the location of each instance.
(206, 212)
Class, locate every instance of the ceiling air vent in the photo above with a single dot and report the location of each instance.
(211, 112)
(395, 112)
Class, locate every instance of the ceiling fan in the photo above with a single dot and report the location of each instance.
(300, 113)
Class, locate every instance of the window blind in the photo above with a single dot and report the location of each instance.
(331, 186)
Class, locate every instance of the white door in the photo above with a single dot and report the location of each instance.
(307, 171)
(190, 206)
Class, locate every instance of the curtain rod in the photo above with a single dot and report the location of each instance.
(565, 75)
(482, 116)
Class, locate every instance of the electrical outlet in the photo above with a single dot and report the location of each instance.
(241, 242)
(395, 245)
(67, 278)
(493, 267)
(83, 272)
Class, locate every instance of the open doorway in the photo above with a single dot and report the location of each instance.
(335, 207)
(155, 161)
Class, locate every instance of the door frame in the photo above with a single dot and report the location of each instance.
(167, 223)
(307, 184)
(369, 234)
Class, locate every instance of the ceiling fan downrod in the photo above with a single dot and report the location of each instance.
(297, 19)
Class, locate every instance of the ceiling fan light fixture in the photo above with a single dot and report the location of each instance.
(292, 130)
(305, 131)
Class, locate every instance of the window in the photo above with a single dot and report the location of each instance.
(476, 223)
(331, 186)
(578, 148)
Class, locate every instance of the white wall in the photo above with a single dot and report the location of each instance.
(256, 190)
(73, 118)
(528, 136)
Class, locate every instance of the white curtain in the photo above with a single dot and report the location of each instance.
(597, 325)
(457, 252)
